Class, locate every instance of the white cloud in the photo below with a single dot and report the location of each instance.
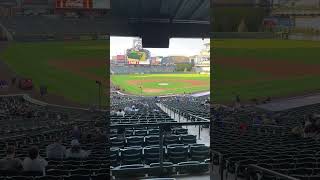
(177, 47)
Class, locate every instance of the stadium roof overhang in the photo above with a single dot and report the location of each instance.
(158, 20)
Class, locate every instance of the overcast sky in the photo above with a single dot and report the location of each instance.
(177, 47)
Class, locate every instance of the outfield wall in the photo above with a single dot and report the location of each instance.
(142, 69)
(245, 35)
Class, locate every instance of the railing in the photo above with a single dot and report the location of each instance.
(217, 158)
(252, 171)
(34, 101)
(258, 171)
(186, 115)
(282, 129)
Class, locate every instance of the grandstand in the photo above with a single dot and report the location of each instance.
(141, 69)
(263, 136)
(26, 123)
(269, 145)
(155, 139)
(29, 118)
(140, 151)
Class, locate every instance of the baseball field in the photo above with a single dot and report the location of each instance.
(68, 69)
(161, 84)
(264, 68)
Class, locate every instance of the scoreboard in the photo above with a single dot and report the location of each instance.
(135, 57)
(83, 4)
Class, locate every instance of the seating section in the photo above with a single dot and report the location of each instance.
(135, 151)
(198, 106)
(145, 69)
(56, 27)
(270, 144)
(24, 124)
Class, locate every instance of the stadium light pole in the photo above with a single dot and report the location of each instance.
(99, 92)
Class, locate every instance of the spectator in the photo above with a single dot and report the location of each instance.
(113, 112)
(297, 131)
(243, 127)
(10, 163)
(99, 136)
(128, 109)
(76, 134)
(76, 152)
(120, 113)
(310, 128)
(34, 163)
(56, 150)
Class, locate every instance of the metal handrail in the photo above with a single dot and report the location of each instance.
(160, 124)
(270, 172)
(187, 113)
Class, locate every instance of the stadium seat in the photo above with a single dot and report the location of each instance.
(192, 167)
(199, 153)
(171, 139)
(102, 176)
(140, 132)
(57, 172)
(117, 142)
(151, 154)
(188, 139)
(135, 141)
(114, 156)
(132, 171)
(132, 155)
(77, 177)
(179, 131)
(152, 140)
(49, 178)
(168, 169)
(177, 154)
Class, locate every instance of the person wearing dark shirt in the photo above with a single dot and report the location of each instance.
(10, 163)
(56, 150)
(76, 134)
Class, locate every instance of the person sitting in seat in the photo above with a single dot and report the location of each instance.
(243, 127)
(76, 152)
(76, 134)
(34, 163)
(120, 113)
(10, 163)
(99, 135)
(297, 131)
(128, 109)
(113, 112)
(56, 150)
(310, 128)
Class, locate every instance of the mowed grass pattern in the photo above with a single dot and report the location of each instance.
(176, 83)
(250, 83)
(31, 60)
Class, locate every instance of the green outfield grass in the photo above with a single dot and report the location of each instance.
(171, 83)
(32, 60)
(251, 83)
